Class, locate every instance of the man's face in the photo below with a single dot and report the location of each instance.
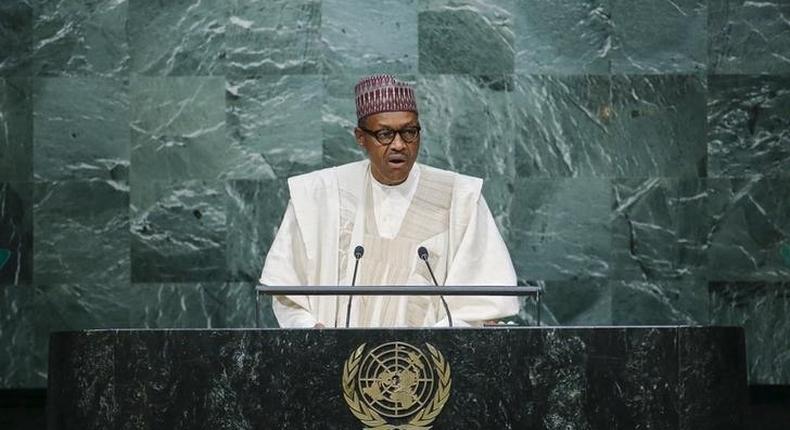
(389, 164)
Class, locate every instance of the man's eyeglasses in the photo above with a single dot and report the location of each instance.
(385, 136)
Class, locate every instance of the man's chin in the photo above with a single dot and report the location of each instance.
(397, 177)
(397, 180)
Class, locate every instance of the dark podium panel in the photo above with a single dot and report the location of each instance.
(491, 378)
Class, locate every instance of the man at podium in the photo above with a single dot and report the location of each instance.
(374, 215)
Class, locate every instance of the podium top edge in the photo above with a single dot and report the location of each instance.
(240, 330)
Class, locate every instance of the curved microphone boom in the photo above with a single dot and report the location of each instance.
(422, 252)
(358, 252)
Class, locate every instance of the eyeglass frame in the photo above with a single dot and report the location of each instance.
(397, 133)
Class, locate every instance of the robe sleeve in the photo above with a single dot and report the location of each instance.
(482, 259)
(285, 266)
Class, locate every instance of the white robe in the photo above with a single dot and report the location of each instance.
(307, 250)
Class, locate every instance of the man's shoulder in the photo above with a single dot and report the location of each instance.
(461, 183)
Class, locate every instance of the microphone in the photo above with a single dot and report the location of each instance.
(358, 252)
(423, 254)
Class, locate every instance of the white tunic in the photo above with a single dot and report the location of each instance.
(390, 203)
(328, 216)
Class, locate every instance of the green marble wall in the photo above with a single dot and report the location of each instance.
(636, 153)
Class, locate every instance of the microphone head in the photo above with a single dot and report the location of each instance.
(358, 251)
(422, 253)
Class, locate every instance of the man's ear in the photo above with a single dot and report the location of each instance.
(359, 135)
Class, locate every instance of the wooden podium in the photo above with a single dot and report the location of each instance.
(491, 378)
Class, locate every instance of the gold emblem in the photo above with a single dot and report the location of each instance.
(396, 386)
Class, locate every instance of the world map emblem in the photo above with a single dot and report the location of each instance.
(396, 386)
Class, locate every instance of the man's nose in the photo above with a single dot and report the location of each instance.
(397, 143)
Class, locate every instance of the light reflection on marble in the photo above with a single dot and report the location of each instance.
(748, 119)
(273, 37)
(447, 28)
(275, 121)
(359, 38)
(81, 232)
(749, 37)
(78, 137)
(178, 231)
(80, 39)
(177, 38)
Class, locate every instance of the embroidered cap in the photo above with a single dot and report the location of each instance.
(383, 93)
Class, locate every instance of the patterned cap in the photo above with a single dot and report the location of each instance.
(383, 93)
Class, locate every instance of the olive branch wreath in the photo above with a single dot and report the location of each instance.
(369, 417)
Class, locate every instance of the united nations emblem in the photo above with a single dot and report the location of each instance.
(396, 386)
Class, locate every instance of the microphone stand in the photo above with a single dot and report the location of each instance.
(422, 252)
(358, 252)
